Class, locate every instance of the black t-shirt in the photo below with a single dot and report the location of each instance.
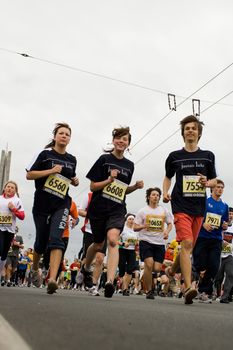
(52, 191)
(188, 196)
(112, 197)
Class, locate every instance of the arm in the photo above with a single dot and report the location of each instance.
(37, 174)
(167, 231)
(136, 186)
(166, 186)
(97, 186)
(138, 228)
(18, 213)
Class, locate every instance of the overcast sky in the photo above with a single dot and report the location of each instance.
(169, 46)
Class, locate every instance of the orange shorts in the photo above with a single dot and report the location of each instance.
(187, 227)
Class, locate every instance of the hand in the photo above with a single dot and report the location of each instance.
(225, 225)
(113, 174)
(139, 184)
(126, 244)
(203, 179)
(56, 169)
(166, 197)
(165, 235)
(11, 206)
(74, 181)
(208, 227)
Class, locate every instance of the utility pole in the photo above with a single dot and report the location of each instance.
(5, 164)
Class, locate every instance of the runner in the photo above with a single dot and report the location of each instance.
(226, 266)
(87, 241)
(127, 253)
(194, 170)
(53, 171)
(207, 251)
(11, 207)
(154, 223)
(110, 177)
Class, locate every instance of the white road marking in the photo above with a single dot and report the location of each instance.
(9, 338)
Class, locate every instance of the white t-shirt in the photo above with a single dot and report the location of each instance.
(130, 236)
(227, 237)
(7, 217)
(157, 218)
(86, 227)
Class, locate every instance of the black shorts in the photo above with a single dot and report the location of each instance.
(12, 261)
(127, 261)
(49, 230)
(149, 250)
(87, 241)
(100, 226)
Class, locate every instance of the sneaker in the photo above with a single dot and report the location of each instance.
(224, 301)
(205, 298)
(36, 279)
(3, 283)
(126, 292)
(94, 291)
(189, 295)
(8, 284)
(52, 287)
(87, 278)
(109, 289)
(150, 295)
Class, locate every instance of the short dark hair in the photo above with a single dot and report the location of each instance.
(191, 119)
(230, 209)
(151, 189)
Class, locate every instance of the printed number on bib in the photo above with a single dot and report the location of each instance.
(227, 249)
(192, 187)
(213, 219)
(5, 219)
(57, 185)
(155, 222)
(115, 191)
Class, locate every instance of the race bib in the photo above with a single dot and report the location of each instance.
(227, 249)
(155, 223)
(192, 187)
(213, 219)
(5, 219)
(57, 185)
(115, 191)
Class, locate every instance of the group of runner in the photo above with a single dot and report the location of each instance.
(54, 170)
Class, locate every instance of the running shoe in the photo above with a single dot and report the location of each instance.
(204, 298)
(224, 301)
(87, 278)
(3, 283)
(52, 286)
(109, 289)
(189, 295)
(8, 284)
(126, 292)
(36, 279)
(94, 291)
(150, 295)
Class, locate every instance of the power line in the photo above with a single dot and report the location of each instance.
(168, 137)
(103, 76)
(175, 132)
(181, 103)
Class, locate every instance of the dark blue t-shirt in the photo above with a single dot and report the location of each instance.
(216, 212)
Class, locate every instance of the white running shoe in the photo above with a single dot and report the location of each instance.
(93, 291)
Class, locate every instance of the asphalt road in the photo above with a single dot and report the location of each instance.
(75, 320)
